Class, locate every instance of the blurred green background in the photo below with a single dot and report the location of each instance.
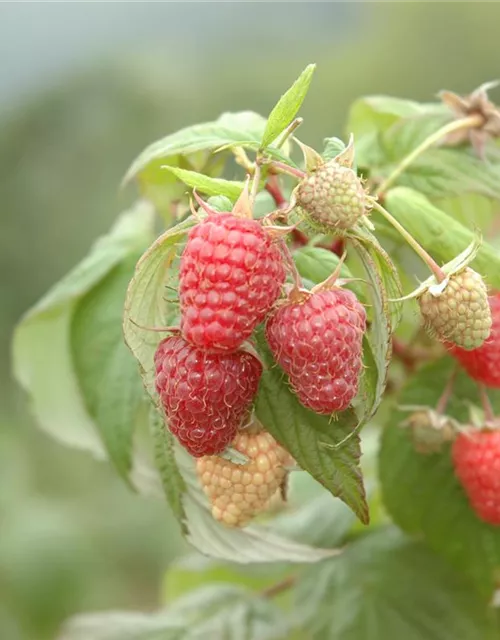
(83, 88)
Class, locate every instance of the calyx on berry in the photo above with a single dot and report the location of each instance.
(331, 197)
(454, 303)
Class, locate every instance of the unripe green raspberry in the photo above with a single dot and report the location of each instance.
(332, 197)
(430, 430)
(457, 311)
(237, 492)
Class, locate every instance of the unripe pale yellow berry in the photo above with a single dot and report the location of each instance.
(332, 197)
(237, 492)
(458, 311)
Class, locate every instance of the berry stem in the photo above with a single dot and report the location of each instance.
(290, 264)
(274, 190)
(337, 246)
(291, 171)
(430, 262)
(447, 391)
(470, 122)
(293, 126)
(278, 588)
(299, 238)
(489, 414)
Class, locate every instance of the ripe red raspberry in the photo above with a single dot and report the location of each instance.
(483, 364)
(476, 458)
(317, 340)
(231, 274)
(205, 396)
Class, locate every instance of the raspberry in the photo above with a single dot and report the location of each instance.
(231, 273)
(459, 312)
(332, 197)
(240, 492)
(205, 396)
(476, 459)
(483, 364)
(430, 430)
(317, 341)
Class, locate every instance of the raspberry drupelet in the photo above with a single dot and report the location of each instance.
(205, 397)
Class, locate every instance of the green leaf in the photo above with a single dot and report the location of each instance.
(146, 301)
(173, 483)
(43, 362)
(206, 184)
(106, 371)
(146, 307)
(317, 264)
(304, 434)
(377, 113)
(332, 148)
(221, 612)
(442, 236)
(385, 587)
(388, 137)
(421, 491)
(384, 315)
(229, 128)
(440, 173)
(287, 106)
(220, 203)
(195, 571)
(372, 117)
(470, 209)
(312, 516)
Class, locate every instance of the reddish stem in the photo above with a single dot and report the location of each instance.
(410, 356)
(338, 247)
(489, 414)
(401, 351)
(299, 238)
(447, 391)
(274, 189)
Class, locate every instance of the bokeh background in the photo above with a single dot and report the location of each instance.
(83, 88)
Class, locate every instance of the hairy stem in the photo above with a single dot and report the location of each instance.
(470, 122)
(291, 171)
(288, 131)
(274, 190)
(278, 588)
(430, 262)
(290, 263)
(447, 391)
(489, 414)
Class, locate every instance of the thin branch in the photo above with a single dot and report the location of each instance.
(278, 588)
(470, 122)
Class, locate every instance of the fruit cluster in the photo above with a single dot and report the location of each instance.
(232, 277)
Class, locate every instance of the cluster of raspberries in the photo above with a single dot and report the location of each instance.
(231, 279)
(232, 275)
